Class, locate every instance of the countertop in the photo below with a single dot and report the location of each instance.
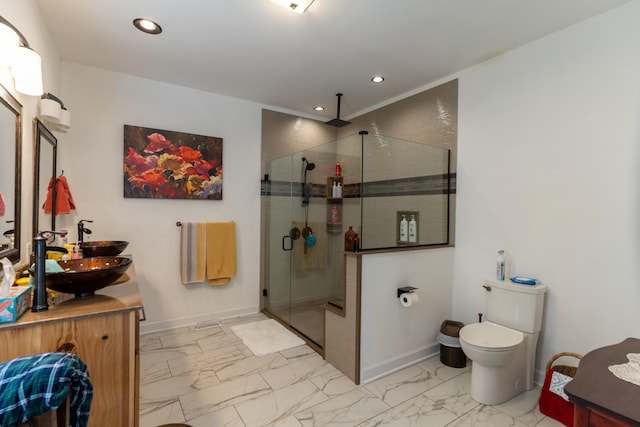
(121, 296)
(594, 385)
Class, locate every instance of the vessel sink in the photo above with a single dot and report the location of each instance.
(83, 277)
(103, 248)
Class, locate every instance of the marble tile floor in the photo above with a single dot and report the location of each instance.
(208, 378)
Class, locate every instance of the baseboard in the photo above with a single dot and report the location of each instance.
(147, 327)
(399, 362)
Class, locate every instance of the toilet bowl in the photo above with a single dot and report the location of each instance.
(503, 348)
(489, 344)
(498, 368)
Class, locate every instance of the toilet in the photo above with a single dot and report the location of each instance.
(503, 347)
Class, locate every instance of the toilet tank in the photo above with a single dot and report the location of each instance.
(515, 306)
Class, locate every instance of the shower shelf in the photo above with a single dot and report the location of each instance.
(334, 227)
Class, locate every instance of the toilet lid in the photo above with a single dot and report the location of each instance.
(490, 336)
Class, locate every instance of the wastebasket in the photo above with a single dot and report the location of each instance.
(449, 338)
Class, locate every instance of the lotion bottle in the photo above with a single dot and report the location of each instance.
(500, 266)
(413, 235)
(404, 229)
(339, 190)
(334, 192)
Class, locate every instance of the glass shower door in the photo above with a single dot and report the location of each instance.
(278, 241)
(295, 271)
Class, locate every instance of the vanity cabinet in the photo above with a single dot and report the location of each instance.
(103, 331)
(601, 398)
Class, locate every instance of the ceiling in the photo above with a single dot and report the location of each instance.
(258, 51)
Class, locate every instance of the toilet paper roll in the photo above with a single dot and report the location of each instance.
(408, 299)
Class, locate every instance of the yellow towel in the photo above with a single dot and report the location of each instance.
(221, 252)
(192, 252)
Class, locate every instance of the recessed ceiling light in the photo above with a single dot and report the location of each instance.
(318, 108)
(298, 6)
(147, 26)
(377, 79)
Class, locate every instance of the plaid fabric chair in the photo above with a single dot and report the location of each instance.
(32, 386)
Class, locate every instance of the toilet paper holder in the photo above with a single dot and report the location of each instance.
(405, 290)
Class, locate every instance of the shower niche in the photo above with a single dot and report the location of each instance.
(335, 185)
(380, 176)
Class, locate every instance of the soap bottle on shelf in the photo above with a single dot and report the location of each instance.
(334, 215)
(413, 235)
(338, 169)
(339, 190)
(334, 192)
(404, 229)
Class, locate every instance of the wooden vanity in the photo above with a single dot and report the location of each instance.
(601, 398)
(104, 330)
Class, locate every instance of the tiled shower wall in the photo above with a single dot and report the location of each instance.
(429, 117)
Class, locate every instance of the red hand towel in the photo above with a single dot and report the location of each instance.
(64, 200)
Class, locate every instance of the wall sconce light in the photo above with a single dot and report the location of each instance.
(54, 113)
(298, 6)
(25, 63)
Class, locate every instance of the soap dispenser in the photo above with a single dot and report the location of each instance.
(413, 231)
(404, 229)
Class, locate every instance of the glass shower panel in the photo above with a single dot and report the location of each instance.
(402, 178)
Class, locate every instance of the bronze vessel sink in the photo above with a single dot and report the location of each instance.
(103, 248)
(83, 277)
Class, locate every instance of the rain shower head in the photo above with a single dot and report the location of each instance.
(338, 122)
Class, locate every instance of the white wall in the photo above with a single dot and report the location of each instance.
(26, 16)
(393, 336)
(91, 155)
(549, 170)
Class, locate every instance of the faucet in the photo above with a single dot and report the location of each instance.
(82, 230)
(40, 255)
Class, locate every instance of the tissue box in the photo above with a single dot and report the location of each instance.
(13, 305)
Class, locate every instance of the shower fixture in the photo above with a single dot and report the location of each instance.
(338, 122)
(310, 165)
(306, 188)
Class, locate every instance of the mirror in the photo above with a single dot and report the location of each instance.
(44, 173)
(10, 175)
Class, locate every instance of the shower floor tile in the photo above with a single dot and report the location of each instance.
(208, 377)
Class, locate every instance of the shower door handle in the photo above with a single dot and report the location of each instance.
(284, 238)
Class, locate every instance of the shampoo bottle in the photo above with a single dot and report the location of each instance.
(339, 190)
(413, 235)
(334, 192)
(404, 229)
(500, 266)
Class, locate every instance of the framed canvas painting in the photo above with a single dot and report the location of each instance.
(164, 164)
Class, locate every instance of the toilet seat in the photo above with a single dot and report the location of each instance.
(489, 336)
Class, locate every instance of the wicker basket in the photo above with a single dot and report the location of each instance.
(564, 369)
(551, 404)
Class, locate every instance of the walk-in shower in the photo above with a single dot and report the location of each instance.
(304, 223)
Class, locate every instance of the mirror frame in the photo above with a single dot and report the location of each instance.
(42, 133)
(12, 104)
